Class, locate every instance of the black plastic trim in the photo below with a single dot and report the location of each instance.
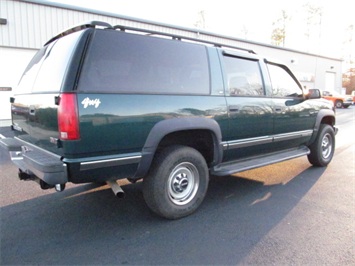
(258, 161)
(321, 114)
(165, 127)
(90, 24)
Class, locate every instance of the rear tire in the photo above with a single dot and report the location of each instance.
(177, 182)
(322, 149)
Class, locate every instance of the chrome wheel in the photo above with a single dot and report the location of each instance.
(327, 145)
(322, 149)
(183, 183)
(177, 182)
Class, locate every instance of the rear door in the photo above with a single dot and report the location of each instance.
(249, 107)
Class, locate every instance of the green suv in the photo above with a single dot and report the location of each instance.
(99, 103)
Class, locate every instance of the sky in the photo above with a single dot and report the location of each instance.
(252, 20)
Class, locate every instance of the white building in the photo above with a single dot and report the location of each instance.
(25, 25)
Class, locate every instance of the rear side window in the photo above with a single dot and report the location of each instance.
(46, 70)
(243, 77)
(127, 63)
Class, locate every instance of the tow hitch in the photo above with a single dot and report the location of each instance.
(30, 177)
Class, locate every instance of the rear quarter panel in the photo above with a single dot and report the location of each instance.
(120, 123)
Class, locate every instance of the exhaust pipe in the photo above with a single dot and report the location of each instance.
(117, 190)
(59, 187)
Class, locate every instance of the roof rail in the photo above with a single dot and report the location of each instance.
(94, 24)
(180, 37)
(89, 24)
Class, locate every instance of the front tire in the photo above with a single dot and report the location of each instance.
(338, 104)
(177, 182)
(322, 149)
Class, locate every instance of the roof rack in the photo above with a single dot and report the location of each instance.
(94, 24)
(180, 37)
(89, 24)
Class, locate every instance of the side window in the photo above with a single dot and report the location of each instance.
(129, 63)
(283, 85)
(243, 77)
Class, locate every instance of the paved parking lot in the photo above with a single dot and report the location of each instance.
(285, 214)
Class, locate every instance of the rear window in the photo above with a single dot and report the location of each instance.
(46, 70)
(128, 63)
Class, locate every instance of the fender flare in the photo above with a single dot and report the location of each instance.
(168, 126)
(321, 114)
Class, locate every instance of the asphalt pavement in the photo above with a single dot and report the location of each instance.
(289, 213)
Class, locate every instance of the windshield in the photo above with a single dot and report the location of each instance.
(331, 93)
(47, 68)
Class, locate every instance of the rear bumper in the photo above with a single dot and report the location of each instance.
(35, 161)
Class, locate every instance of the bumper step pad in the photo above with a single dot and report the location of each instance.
(34, 161)
(11, 144)
(43, 162)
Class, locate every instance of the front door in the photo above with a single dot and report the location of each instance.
(293, 116)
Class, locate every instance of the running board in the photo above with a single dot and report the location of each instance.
(259, 161)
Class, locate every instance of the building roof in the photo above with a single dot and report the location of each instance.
(194, 32)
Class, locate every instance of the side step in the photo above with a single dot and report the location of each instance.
(259, 161)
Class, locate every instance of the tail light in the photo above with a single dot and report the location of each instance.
(68, 120)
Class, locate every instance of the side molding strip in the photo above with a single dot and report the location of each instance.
(265, 139)
(95, 162)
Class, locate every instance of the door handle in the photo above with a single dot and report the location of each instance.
(32, 110)
(233, 108)
(278, 109)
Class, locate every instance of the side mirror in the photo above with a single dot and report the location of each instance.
(313, 94)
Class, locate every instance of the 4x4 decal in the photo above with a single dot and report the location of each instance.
(87, 102)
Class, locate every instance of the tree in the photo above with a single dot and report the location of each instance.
(313, 22)
(349, 80)
(348, 45)
(201, 22)
(245, 32)
(349, 76)
(278, 35)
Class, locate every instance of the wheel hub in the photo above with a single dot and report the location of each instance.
(183, 183)
(180, 183)
(326, 146)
